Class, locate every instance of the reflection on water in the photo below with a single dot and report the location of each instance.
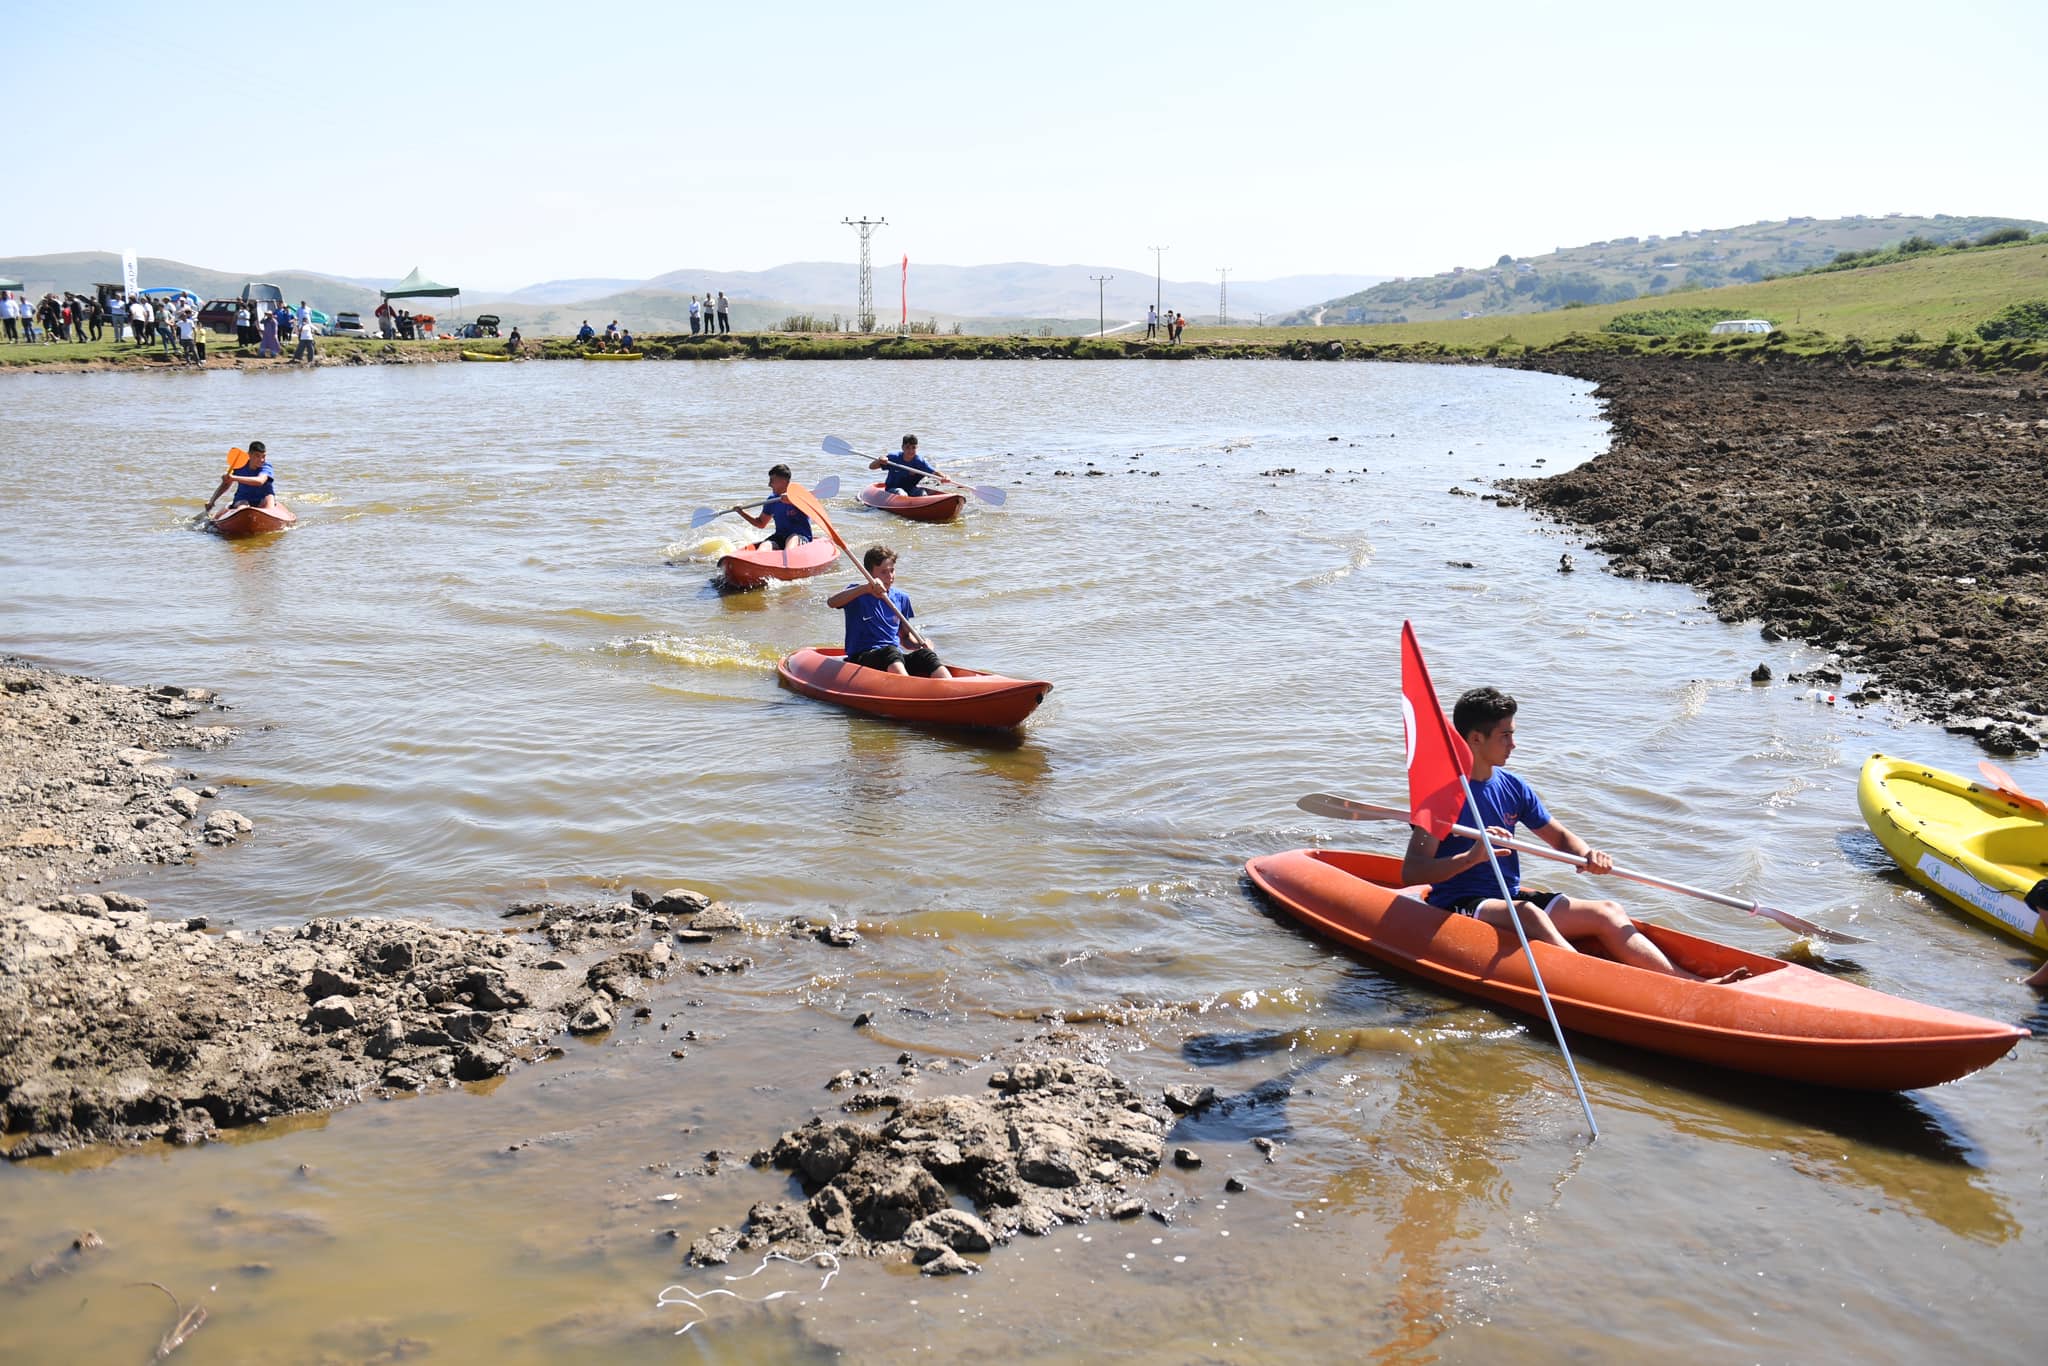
(469, 681)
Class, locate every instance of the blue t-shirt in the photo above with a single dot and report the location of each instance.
(869, 622)
(255, 493)
(901, 480)
(789, 522)
(1504, 801)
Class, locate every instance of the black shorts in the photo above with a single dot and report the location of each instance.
(923, 661)
(784, 542)
(1469, 905)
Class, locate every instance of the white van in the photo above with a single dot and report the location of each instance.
(1732, 326)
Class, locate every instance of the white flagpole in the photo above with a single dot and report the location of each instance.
(1515, 918)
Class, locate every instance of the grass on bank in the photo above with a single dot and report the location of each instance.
(219, 350)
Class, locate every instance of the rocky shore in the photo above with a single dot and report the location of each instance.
(117, 1025)
(1890, 516)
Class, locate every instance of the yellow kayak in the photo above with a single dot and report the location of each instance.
(1983, 849)
(483, 355)
(612, 355)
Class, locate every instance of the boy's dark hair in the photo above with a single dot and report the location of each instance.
(875, 555)
(257, 448)
(1480, 710)
(778, 471)
(909, 441)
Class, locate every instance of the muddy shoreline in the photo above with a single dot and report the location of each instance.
(1889, 516)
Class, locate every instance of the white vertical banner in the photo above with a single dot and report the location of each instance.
(128, 270)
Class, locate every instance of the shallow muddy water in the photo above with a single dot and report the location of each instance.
(488, 665)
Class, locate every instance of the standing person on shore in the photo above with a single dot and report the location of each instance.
(268, 346)
(138, 320)
(693, 315)
(304, 350)
(117, 314)
(96, 316)
(875, 635)
(1151, 322)
(8, 318)
(242, 337)
(1180, 327)
(384, 325)
(188, 350)
(724, 317)
(709, 314)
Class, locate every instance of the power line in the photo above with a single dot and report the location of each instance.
(1101, 318)
(1223, 295)
(1158, 272)
(865, 320)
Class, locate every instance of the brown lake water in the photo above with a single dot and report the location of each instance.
(488, 665)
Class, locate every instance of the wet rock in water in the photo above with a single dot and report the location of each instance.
(682, 901)
(1129, 1208)
(694, 936)
(1186, 1157)
(714, 1248)
(949, 1263)
(705, 967)
(1760, 674)
(838, 936)
(594, 1016)
(1265, 1145)
(193, 1126)
(719, 916)
(183, 800)
(1187, 1099)
(1233, 1183)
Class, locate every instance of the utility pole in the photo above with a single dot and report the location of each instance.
(1262, 320)
(1223, 296)
(866, 226)
(1158, 274)
(1101, 318)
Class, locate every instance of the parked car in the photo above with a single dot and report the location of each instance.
(218, 315)
(1735, 326)
(348, 325)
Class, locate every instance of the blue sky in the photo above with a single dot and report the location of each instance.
(500, 144)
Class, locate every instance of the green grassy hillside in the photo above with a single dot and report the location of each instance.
(1631, 268)
(1929, 295)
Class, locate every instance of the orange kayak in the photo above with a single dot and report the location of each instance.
(918, 507)
(752, 567)
(968, 698)
(1783, 1021)
(246, 519)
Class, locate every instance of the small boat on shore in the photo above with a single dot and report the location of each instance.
(484, 356)
(1782, 1020)
(756, 565)
(614, 355)
(970, 698)
(1982, 850)
(918, 507)
(240, 520)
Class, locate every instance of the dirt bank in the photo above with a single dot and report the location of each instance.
(1891, 516)
(119, 1025)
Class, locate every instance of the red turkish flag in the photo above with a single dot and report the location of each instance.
(1438, 756)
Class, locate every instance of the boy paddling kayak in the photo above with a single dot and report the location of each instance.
(1460, 881)
(792, 528)
(875, 634)
(907, 469)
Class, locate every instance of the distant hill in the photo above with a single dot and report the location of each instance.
(1011, 296)
(1627, 268)
(1928, 295)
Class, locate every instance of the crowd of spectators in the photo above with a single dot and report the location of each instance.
(168, 321)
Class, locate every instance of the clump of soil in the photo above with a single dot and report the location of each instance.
(1058, 1141)
(1893, 517)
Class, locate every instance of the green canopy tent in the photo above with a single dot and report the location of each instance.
(11, 286)
(418, 286)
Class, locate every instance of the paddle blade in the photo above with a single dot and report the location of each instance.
(807, 503)
(1794, 923)
(704, 517)
(989, 493)
(835, 446)
(2008, 785)
(237, 457)
(1344, 809)
(828, 487)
